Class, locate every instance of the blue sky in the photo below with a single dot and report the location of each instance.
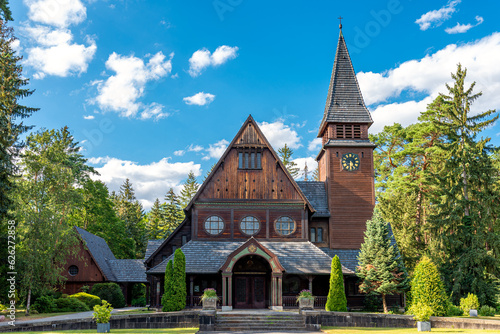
(153, 89)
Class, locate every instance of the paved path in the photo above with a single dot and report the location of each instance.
(72, 316)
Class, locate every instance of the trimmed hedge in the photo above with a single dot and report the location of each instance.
(70, 305)
(44, 304)
(88, 299)
(336, 300)
(109, 292)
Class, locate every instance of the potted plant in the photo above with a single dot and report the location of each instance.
(102, 314)
(305, 300)
(422, 314)
(209, 299)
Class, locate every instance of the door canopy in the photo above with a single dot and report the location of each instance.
(252, 247)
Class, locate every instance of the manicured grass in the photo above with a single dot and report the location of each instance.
(374, 330)
(160, 330)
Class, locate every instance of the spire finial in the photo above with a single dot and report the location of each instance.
(340, 19)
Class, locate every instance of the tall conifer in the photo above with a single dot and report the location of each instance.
(336, 300)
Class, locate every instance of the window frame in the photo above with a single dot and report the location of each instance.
(256, 219)
(279, 232)
(73, 267)
(221, 220)
(250, 158)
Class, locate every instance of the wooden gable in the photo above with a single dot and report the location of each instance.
(231, 181)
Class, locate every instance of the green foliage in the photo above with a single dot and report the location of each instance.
(487, 311)
(155, 222)
(85, 289)
(139, 301)
(453, 311)
(138, 290)
(336, 300)
(5, 10)
(372, 303)
(166, 299)
(427, 288)
(70, 305)
(2, 307)
(44, 304)
(109, 292)
(471, 302)
(88, 299)
(285, 153)
(380, 269)
(305, 294)
(172, 212)
(189, 189)
(209, 294)
(421, 311)
(102, 313)
(179, 280)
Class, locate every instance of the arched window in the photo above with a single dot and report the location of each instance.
(73, 270)
(214, 225)
(250, 225)
(284, 225)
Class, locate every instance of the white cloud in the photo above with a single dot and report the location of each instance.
(195, 148)
(88, 117)
(427, 78)
(16, 45)
(199, 99)
(58, 13)
(312, 164)
(461, 28)
(216, 150)
(315, 144)
(150, 181)
(56, 54)
(435, 18)
(179, 153)
(120, 92)
(278, 134)
(201, 59)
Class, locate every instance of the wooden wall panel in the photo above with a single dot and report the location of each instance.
(175, 241)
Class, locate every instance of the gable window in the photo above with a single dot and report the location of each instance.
(250, 225)
(348, 131)
(214, 225)
(316, 234)
(250, 158)
(73, 270)
(284, 225)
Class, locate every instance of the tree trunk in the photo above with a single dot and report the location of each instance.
(28, 302)
(384, 303)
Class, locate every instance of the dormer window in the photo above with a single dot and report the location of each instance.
(250, 158)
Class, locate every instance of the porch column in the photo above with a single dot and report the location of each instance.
(310, 278)
(276, 295)
(227, 289)
(280, 289)
(191, 290)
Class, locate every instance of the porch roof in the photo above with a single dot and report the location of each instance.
(207, 257)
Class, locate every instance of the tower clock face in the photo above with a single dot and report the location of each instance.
(350, 162)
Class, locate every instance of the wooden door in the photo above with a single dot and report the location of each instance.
(250, 292)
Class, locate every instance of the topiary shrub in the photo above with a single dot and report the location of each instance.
(336, 300)
(44, 304)
(453, 311)
(89, 300)
(166, 299)
(427, 288)
(471, 302)
(70, 305)
(109, 292)
(487, 311)
(179, 281)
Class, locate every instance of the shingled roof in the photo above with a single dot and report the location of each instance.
(100, 251)
(152, 246)
(315, 191)
(203, 257)
(344, 103)
(130, 270)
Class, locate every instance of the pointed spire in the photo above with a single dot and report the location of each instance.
(344, 103)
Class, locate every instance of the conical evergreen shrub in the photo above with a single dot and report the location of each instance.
(166, 299)
(336, 300)
(179, 281)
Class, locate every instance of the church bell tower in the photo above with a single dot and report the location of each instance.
(345, 162)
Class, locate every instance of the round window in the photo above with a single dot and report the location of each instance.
(284, 225)
(73, 270)
(250, 225)
(214, 225)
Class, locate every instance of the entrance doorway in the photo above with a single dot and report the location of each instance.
(251, 275)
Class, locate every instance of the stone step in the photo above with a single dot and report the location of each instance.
(259, 328)
(257, 322)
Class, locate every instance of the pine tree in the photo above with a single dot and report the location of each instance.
(168, 289)
(427, 287)
(179, 281)
(306, 172)
(285, 153)
(208, 172)
(336, 300)
(189, 189)
(155, 221)
(380, 269)
(172, 213)
(315, 175)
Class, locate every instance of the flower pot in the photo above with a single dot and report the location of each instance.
(209, 303)
(103, 328)
(306, 304)
(473, 313)
(424, 326)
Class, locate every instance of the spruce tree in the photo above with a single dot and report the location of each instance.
(179, 280)
(306, 172)
(336, 300)
(168, 289)
(155, 221)
(189, 189)
(380, 269)
(427, 287)
(172, 213)
(285, 153)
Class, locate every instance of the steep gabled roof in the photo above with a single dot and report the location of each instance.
(129, 270)
(100, 252)
(344, 103)
(249, 120)
(152, 247)
(164, 241)
(315, 192)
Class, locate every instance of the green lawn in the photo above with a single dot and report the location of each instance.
(361, 330)
(161, 330)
